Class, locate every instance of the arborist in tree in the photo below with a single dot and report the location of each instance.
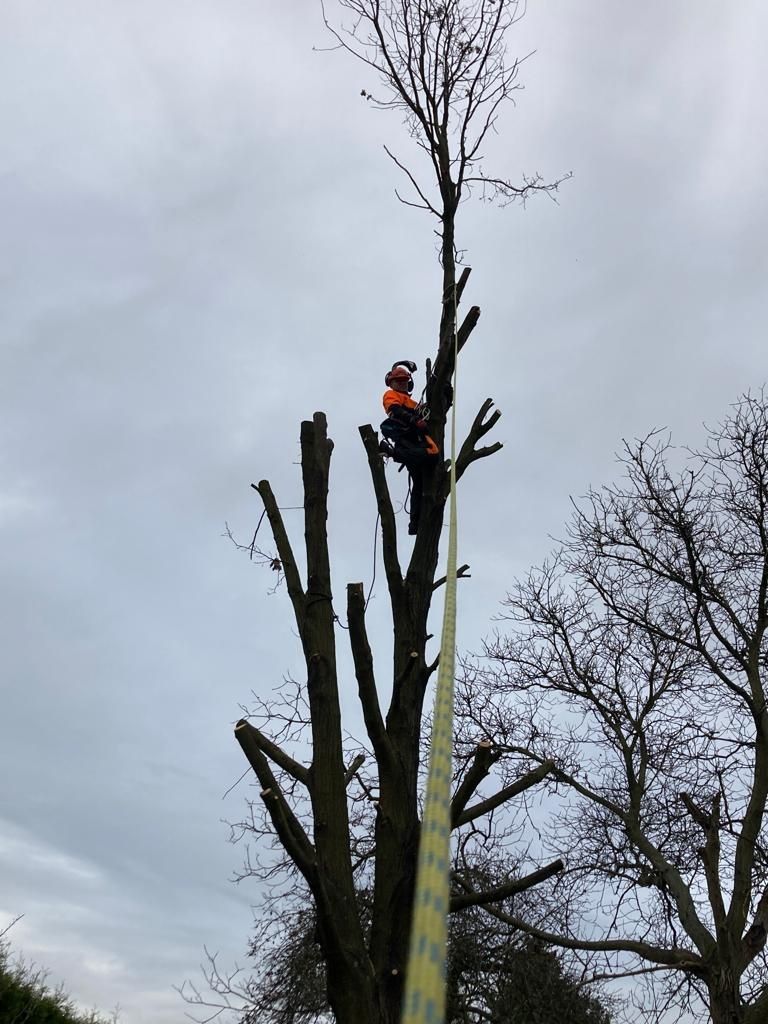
(405, 432)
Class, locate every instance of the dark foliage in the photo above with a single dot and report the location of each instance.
(27, 998)
(497, 977)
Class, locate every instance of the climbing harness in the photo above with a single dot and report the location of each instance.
(425, 978)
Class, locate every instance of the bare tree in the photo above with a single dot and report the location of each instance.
(444, 66)
(639, 665)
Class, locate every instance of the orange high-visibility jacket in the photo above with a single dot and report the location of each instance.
(392, 398)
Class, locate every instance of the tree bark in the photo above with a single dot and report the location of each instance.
(725, 1005)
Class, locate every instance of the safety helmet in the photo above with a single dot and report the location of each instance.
(401, 373)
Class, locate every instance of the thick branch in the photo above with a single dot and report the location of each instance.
(480, 453)
(710, 854)
(485, 756)
(284, 550)
(288, 828)
(531, 778)
(327, 785)
(744, 858)
(439, 376)
(357, 762)
(680, 892)
(366, 681)
(757, 1012)
(470, 898)
(468, 325)
(248, 734)
(387, 514)
(480, 427)
(316, 448)
(443, 367)
(671, 876)
(461, 574)
(683, 959)
(461, 285)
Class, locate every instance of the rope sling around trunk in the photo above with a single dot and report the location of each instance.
(425, 978)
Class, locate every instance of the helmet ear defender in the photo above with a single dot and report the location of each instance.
(394, 376)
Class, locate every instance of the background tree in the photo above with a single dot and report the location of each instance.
(495, 975)
(444, 67)
(638, 664)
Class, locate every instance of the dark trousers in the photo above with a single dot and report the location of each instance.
(416, 473)
(410, 449)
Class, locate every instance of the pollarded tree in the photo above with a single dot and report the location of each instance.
(640, 666)
(444, 66)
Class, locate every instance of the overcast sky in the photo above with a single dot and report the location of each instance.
(201, 246)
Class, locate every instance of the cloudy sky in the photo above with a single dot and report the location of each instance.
(201, 246)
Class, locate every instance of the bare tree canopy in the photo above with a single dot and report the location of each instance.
(638, 664)
(444, 66)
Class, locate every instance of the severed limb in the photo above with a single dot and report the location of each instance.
(485, 756)
(249, 736)
(461, 574)
(462, 283)
(507, 793)
(357, 762)
(468, 325)
(471, 898)
(288, 828)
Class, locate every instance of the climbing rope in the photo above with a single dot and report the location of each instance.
(425, 979)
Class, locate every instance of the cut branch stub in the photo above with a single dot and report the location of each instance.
(467, 326)
(249, 736)
(286, 824)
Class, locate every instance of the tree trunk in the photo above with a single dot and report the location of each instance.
(397, 820)
(725, 1004)
(365, 974)
(351, 994)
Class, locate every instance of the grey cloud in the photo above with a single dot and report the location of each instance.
(201, 247)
